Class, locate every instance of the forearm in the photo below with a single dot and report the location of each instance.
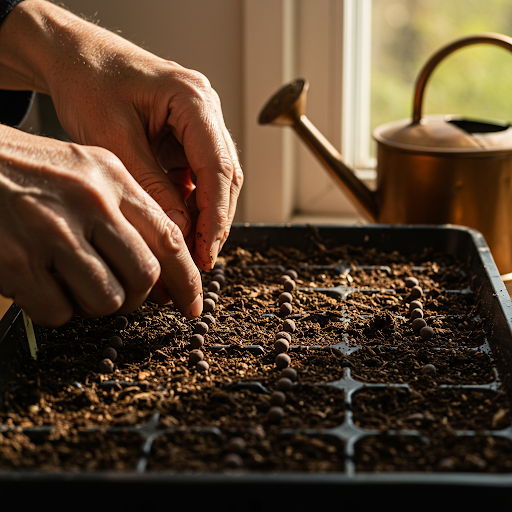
(41, 45)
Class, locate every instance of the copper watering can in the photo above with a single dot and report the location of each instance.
(431, 170)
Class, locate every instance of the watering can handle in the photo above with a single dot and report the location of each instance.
(428, 68)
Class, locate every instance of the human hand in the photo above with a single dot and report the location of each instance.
(73, 238)
(163, 121)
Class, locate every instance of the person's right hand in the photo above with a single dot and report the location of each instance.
(79, 234)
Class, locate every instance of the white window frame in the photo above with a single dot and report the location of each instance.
(327, 42)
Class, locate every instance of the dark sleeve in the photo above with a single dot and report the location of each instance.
(14, 105)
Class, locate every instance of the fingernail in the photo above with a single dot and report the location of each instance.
(214, 252)
(196, 308)
(178, 217)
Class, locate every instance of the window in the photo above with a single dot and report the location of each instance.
(361, 58)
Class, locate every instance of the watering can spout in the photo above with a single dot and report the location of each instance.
(287, 107)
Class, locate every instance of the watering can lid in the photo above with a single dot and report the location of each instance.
(446, 134)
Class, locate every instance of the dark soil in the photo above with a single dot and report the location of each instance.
(157, 411)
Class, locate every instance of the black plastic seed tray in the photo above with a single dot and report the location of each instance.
(264, 490)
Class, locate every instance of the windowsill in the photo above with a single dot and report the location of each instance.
(344, 220)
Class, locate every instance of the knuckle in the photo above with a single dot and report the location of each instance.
(173, 241)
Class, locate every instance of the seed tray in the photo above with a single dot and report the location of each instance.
(339, 462)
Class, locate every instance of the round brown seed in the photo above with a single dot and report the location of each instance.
(289, 373)
(275, 414)
(208, 305)
(289, 286)
(208, 320)
(285, 297)
(236, 445)
(202, 366)
(196, 341)
(109, 353)
(105, 366)
(416, 292)
(233, 460)
(284, 384)
(116, 342)
(283, 334)
(201, 328)
(281, 345)
(416, 313)
(415, 304)
(284, 278)
(285, 309)
(292, 273)
(121, 323)
(283, 361)
(212, 296)
(411, 281)
(288, 325)
(214, 286)
(195, 356)
(429, 369)
(278, 398)
(427, 333)
(218, 278)
(418, 324)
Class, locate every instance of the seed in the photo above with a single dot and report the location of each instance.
(284, 384)
(196, 341)
(289, 286)
(195, 356)
(201, 328)
(233, 460)
(418, 324)
(278, 398)
(214, 286)
(292, 273)
(283, 361)
(416, 313)
(285, 335)
(427, 333)
(121, 323)
(202, 366)
(281, 345)
(411, 281)
(416, 292)
(288, 325)
(258, 432)
(116, 342)
(213, 296)
(105, 366)
(284, 278)
(109, 353)
(446, 464)
(289, 373)
(218, 278)
(275, 414)
(236, 445)
(285, 309)
(208, 319)
(208, 305)
(415, 304)
(429, 369)
(285, 297)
